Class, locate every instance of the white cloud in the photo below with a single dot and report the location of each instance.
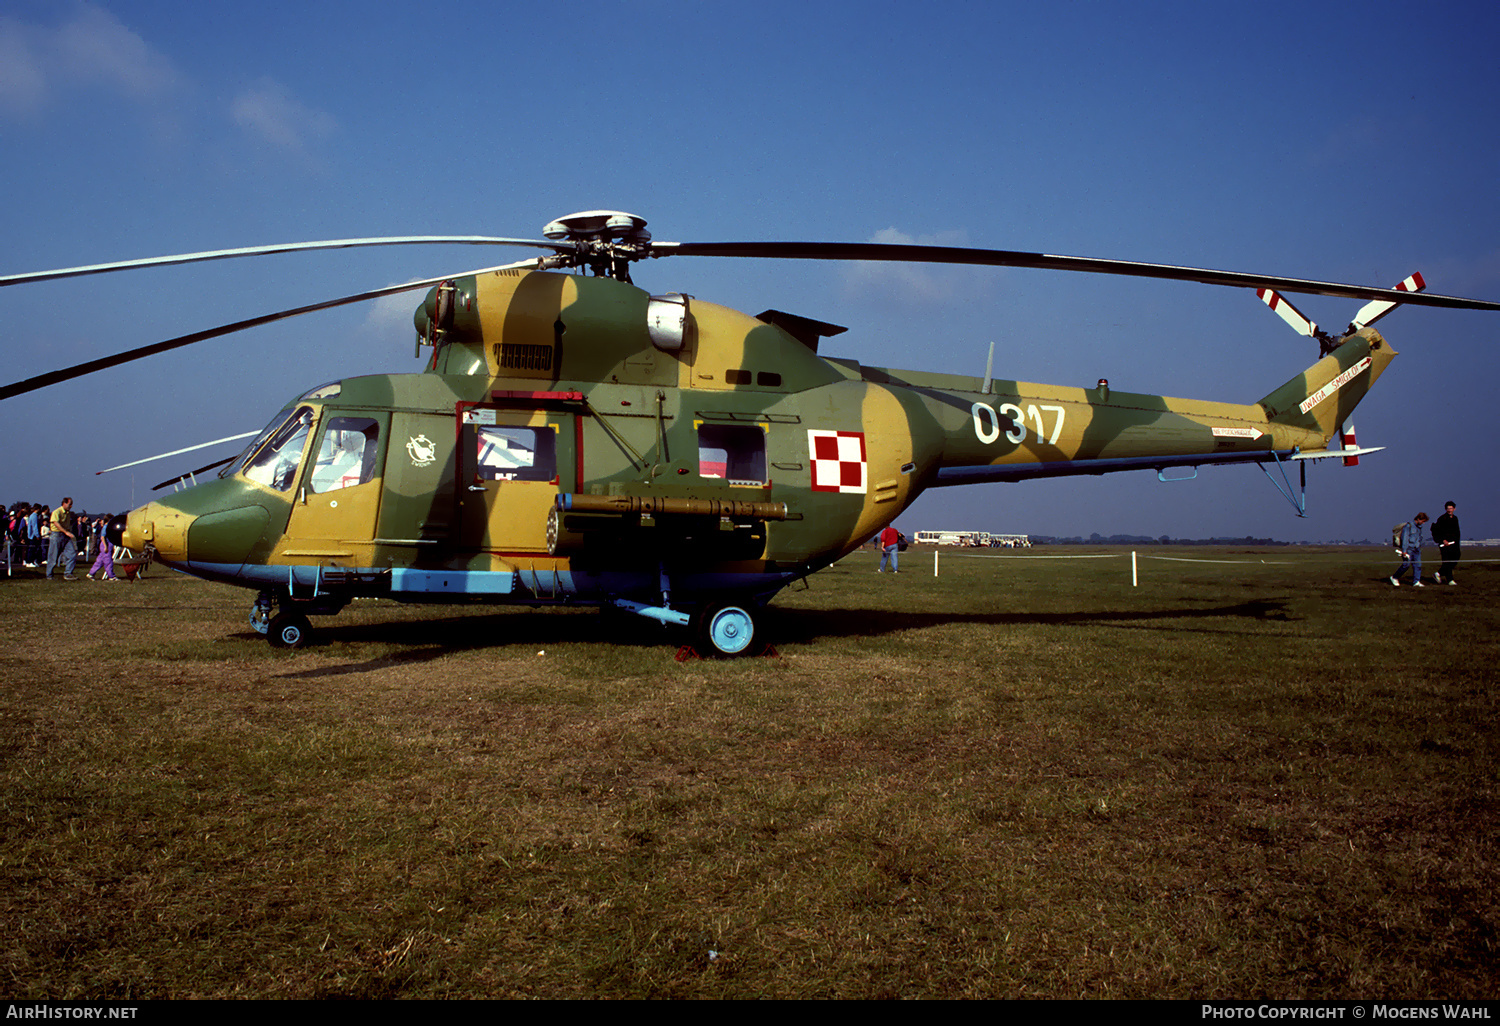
(95, 45)
(390, 317)
(913, 283)
(23, 84)
(92, 47)
(268, 111)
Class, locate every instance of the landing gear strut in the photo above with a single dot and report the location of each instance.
(719, 629)
(260, 613)
(288, 628)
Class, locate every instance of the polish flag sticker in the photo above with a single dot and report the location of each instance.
(838, 461)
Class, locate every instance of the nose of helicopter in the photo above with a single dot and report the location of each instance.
(114, 531)
(164, 528)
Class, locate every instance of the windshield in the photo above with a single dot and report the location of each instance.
(239, 461)
(274, 463)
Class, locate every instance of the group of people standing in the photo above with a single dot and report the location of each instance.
(1409, 540)
(37, 533)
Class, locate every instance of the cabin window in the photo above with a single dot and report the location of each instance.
(505, 453)
(737, 377)
(347, 455)
(734, 452)
(275, 465)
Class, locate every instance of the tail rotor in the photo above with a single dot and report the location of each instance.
(1368, 315)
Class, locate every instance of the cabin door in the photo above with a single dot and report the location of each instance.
(512, 465)
(334, 511)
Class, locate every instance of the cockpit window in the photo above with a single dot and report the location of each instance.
(254, 447)
(275, 465)
(347, 455)
(326, 391)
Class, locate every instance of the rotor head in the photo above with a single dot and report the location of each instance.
(605, 241)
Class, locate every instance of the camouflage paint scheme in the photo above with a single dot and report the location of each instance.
(572, 355)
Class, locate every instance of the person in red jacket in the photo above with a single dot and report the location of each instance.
(890, 543)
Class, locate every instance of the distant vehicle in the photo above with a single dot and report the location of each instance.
(965, 538)
(973, 539)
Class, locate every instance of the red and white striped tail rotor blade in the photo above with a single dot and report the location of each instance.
(1289, 313)
(1346, 439)
(1378, 308)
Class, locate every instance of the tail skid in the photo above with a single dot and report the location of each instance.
(1298, 496)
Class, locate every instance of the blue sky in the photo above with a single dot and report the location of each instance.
(1350, 142)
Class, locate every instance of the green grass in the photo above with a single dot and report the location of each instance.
(1022, 778)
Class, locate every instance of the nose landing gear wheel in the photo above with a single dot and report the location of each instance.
(726, 630)
(288, 630)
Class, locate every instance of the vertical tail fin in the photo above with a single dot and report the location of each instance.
(1323, 396)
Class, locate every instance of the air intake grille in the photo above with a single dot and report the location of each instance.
(513, 356)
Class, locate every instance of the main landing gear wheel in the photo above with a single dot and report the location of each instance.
(726, 630)
(288, 630)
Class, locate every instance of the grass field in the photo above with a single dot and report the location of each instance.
(1268, 774)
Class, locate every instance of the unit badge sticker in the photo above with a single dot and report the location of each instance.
(838, 461)
(421, 450)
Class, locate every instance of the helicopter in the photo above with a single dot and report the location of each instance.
(577, 440)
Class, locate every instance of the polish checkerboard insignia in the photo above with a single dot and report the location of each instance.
(838, 461)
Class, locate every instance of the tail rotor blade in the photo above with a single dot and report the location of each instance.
(1287, 312)
(1378, 308)
(1346, 439)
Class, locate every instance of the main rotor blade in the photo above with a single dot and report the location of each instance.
(104, 363)
(289, 247)
(178, 452)
(883, 251)
(192, 473)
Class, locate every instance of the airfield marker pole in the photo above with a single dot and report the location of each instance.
(1134, 580)
(934, 562)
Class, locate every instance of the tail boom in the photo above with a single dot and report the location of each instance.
(1020, 430)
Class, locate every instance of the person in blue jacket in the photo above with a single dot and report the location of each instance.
(1410, 548)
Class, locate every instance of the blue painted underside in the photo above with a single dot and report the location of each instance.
(452, 582)
(524, 586)
(1076, 468)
